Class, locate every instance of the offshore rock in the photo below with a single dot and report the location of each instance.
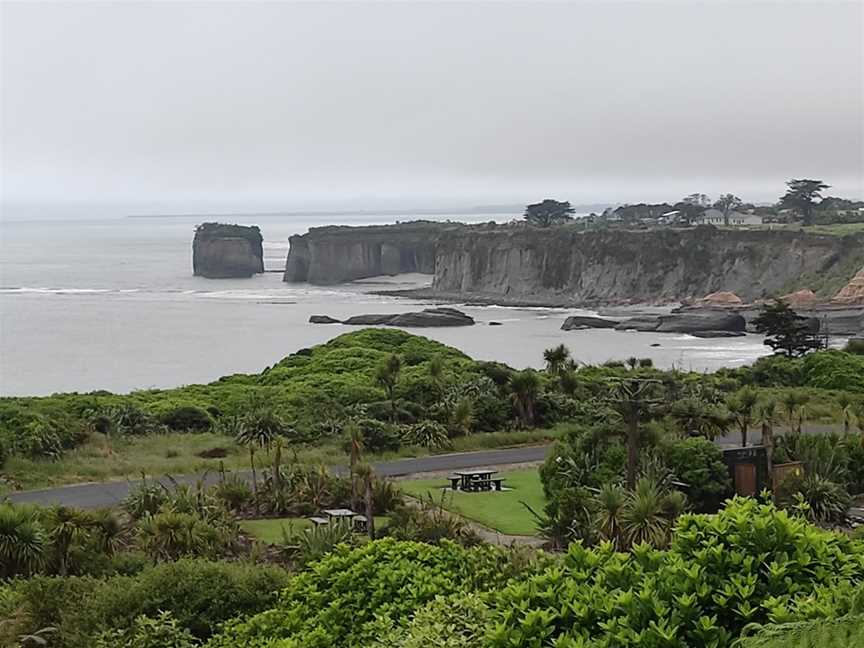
(221, 251)
(323, 319)
(431, 317)
(582, 322)
(687, 322)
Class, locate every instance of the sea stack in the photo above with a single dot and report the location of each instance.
(221, 251)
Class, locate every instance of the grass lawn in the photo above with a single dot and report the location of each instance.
(177, 454)
(270, 531)
(502, 511)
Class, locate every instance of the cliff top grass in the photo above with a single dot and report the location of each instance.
(206, 231)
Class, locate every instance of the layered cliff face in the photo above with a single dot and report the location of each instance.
(564, 266)
(561, 265)
(222, 251)
(331, 255)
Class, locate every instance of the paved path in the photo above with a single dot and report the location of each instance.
(112, 493)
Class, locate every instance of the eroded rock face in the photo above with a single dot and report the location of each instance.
(331, 255)
(852, 294)
(431, 317)
(222, 251)
(564, 265)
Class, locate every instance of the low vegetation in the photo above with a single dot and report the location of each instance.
(647, 548)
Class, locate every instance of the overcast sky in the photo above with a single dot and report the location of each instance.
(287, 106)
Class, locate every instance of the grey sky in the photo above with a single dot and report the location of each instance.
(278, 105)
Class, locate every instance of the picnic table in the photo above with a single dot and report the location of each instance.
(475, 481)
(357, 521)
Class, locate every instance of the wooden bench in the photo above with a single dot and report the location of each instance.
(454, 482)
(319, 521)
(497, 484)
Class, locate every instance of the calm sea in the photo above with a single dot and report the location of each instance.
(112, 304)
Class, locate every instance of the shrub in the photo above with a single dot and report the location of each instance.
(24, 543)
(161, 631)
(428, 521)
(819, 499)
(379, 436)
(233, 491)
(186, 418)
(699, 463)
(343, 599)
(145, 499)
(307, 545)
(427, 434)
(456, 621)
(855, 346)
(749, 563)
(200, 595)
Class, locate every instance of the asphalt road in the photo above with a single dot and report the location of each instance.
(107, 494)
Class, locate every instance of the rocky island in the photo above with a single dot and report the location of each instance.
(336, 254)
(430, 317)
(221, 251)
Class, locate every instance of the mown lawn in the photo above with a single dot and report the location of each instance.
(270, 531)
(503, 512)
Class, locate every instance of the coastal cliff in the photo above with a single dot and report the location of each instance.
(565, 266)
(336, 254)
(222, 251)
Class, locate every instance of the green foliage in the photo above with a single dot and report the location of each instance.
(199, 595)
(786, 332)
(427, 521)
(821, 500)
(24, 543)
(342, 599)
(305, 545)
(187, 418)
(426, 434)
(698, 463)
(835, 370)
(161, 631)
(548, 212)
(748, 563)
(844, 632)
(456, 621)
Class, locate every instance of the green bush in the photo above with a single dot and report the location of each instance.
(749, 563)
(200, 595)
(343, 599)
(835, 370)
(187, 418)
(699, 463)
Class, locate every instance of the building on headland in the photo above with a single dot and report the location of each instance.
(715, 217)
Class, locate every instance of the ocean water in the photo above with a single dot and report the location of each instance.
(111, 303)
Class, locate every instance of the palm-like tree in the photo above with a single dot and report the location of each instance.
(634, 400)
(367, 477)
(23, 541)
(356, 444)
(696, 417)
(462, 417)
(387, 376)
(556, 358)
(68, 526)
(741, 405)
(611, 501)
(846, 411)
(765, 415)
(649, 514)
(794, 406)
(524, 386)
